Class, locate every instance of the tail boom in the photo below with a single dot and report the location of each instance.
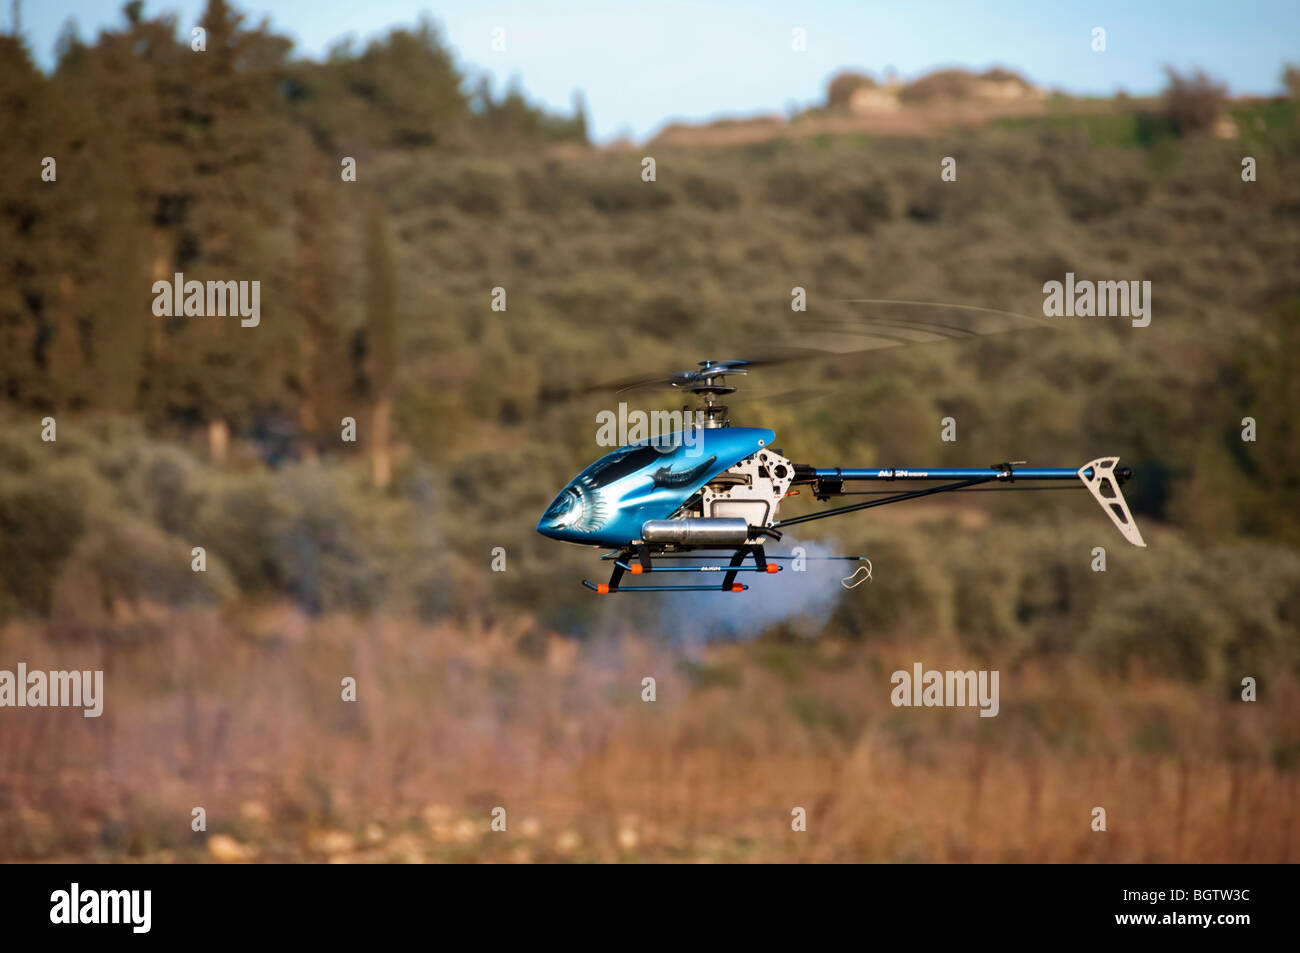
(1102, 477)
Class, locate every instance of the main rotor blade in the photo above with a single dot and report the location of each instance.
(840, 337)
(969, 321)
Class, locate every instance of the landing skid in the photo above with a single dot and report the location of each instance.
(639, 562)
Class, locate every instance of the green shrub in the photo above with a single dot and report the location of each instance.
(41, 521)
(859, 208)
(122, 570)
(714, 194)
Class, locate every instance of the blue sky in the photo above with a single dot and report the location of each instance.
(641, 64)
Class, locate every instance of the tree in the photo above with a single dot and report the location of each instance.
(322, 377)
(1193, 102)
(1291, 80)
(381, 323)
(844, 85)
(24, 228)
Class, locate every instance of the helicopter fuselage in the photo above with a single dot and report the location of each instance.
(718, 487)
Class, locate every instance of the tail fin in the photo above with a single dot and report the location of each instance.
(1103, 484)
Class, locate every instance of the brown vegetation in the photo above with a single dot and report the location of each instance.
(451, 722)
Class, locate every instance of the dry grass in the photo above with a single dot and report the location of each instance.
(243, 716)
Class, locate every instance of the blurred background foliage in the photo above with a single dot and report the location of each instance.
(376, 305)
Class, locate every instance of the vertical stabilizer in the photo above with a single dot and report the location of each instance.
(1099, 477)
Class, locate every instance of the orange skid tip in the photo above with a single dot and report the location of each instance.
(737, 587)
(602, 588)
(792, 493)
(773, 567)
(636, 569)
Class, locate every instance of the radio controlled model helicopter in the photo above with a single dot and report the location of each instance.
(664, 503)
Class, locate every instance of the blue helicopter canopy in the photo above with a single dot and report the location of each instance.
(607, 503)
